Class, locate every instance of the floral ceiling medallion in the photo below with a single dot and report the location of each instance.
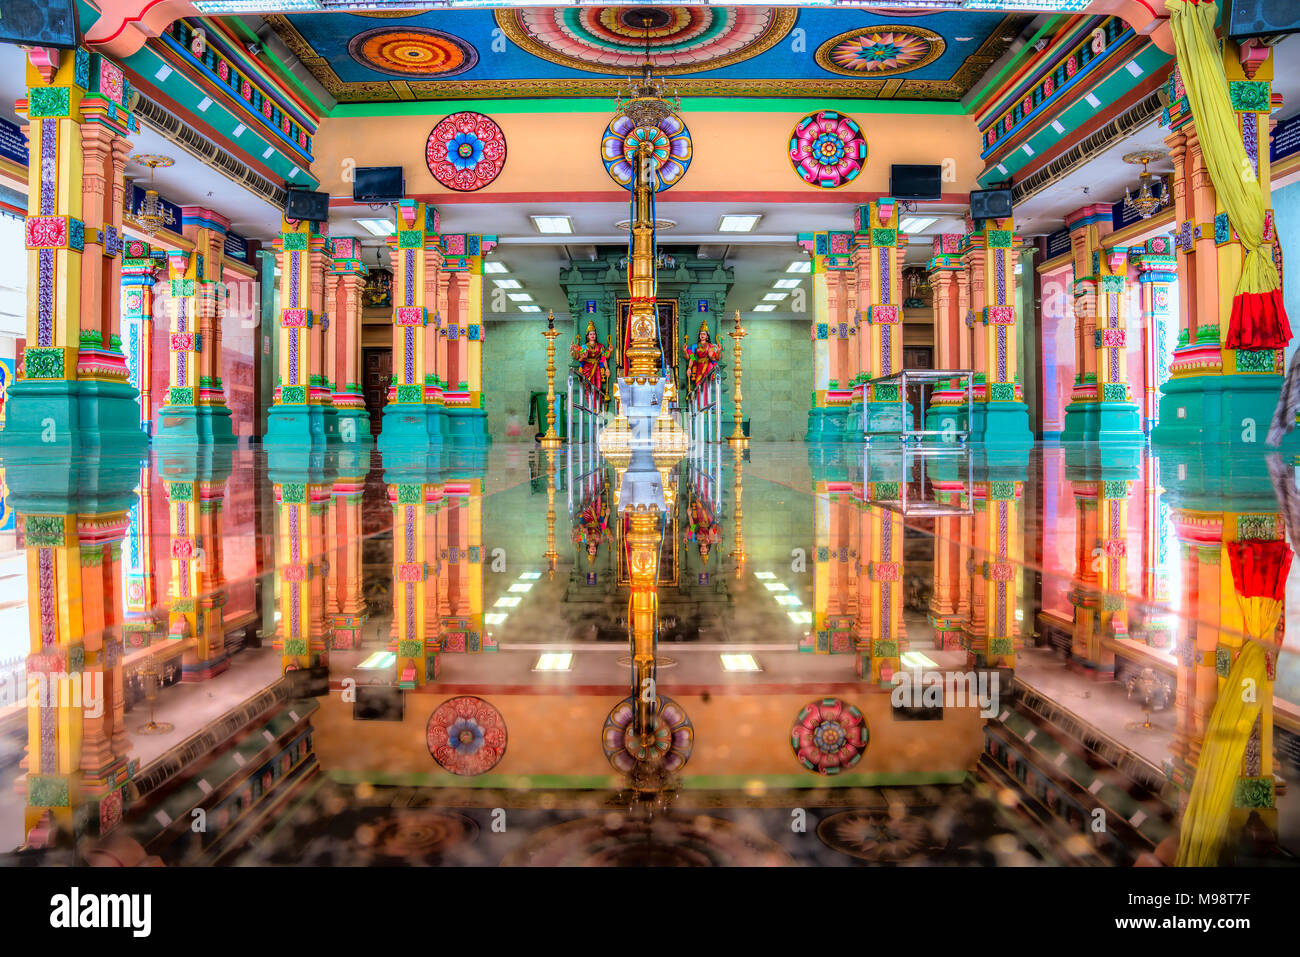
(466, 151)
(880, 51)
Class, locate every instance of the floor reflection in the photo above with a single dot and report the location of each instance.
(797, 655)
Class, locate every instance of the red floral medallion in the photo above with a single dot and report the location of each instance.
(467, 736)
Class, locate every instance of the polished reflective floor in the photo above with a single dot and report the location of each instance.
(889, 657)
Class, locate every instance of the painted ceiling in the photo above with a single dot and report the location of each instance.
(873, 53)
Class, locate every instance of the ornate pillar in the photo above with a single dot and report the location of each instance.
(829, 253)
(345, 283)
(1217, 394)
(302, 500)
(885, 246)
(195, 491)
(76, 761)
(344, 535)
(466, 415)
(73, 386)
(1001, 418)
(297, 416)
(884, 582)
(417, 646)
(995, 574)
(1101, 409)
(461, 561)
(411, 422)
(139, 274)
(1213, 596)
(196, 411)
(946, 281)
(1156, 275)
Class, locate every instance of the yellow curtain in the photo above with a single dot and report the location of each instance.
(1205, 822)
(1234, 179)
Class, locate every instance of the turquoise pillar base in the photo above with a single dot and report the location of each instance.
(886, 417)
(353, 426)
(466, 426)
(410, 428)
(1103, 462)
(60, 413)
(1002, 425)
(298, 425)
(1218, 410)
(189, 425)
(853, 420)
(1091, 421)
(817, 426)
(940, 418)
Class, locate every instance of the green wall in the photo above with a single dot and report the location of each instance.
(514, 364)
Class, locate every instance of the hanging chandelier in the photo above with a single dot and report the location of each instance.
(646, 100)
(151, 216)
(1146, 203)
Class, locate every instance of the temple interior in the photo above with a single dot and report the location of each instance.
(450, 433)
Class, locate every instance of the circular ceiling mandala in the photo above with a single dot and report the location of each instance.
(877, 836)
(467, 736)
(612, 39)
(672, 742)
(829, 736)
(412, 52)
(827, 149)
(466, 151)
(880, 51)
(672, 840)
(669, 144)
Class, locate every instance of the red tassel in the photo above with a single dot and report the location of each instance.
(1258, 321)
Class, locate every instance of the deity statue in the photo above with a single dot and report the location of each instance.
(378, 291)
(593, 525)
(702, 526)
(703, 359)
(593, 359)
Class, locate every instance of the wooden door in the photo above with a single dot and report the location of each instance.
(378, 365)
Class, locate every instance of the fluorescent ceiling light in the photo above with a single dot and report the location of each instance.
(495, 617)
(378, 227)
(788, 283)
(915, 659)
(507, 601)
(552, 224)
(739, 663)
(380, 659)
(507, 283)
(776, 297)
(530, 576)
(802, 265)
(522, 587)
(801, 617)
(916, 224)
(788, 600)
(739, 222)
(776, 586)
(493, 265)
(764, 576)
(530, 308)
(554, 661)
(768, 308)
(520, 297)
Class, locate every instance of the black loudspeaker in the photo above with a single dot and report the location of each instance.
(990, 204)
(42, 23)
(1261, 18)
(378, 703)
(310, 682)
(303, 204)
